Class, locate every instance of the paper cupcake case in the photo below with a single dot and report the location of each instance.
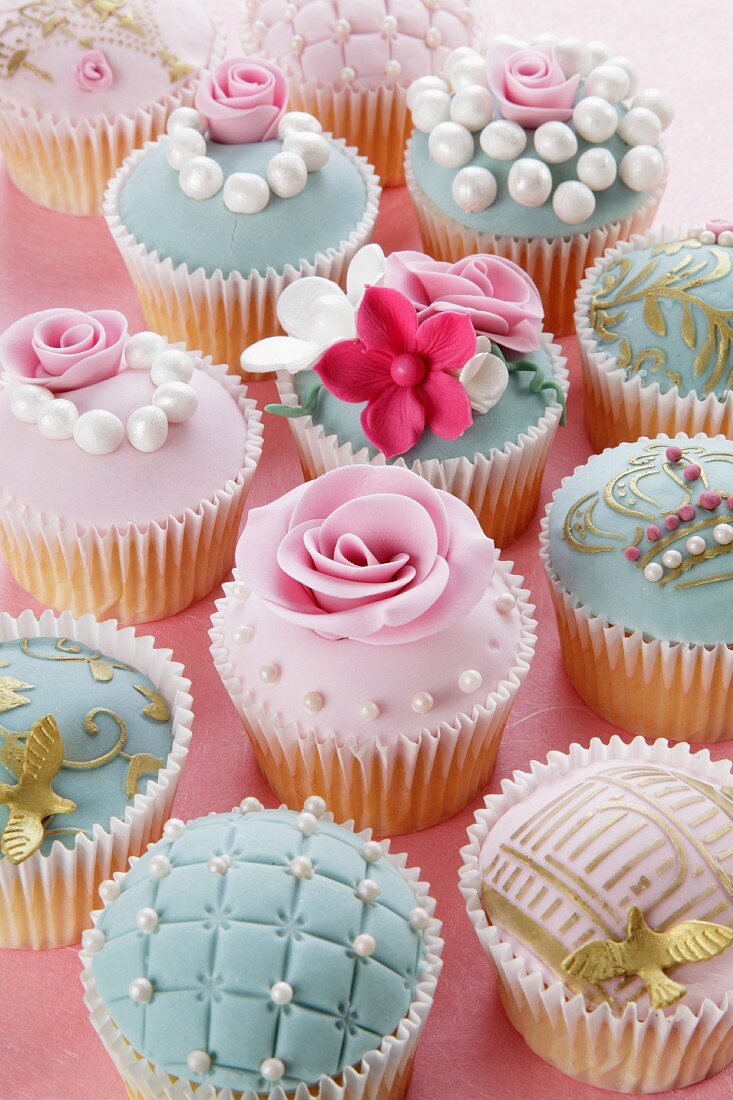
(383, 1074)
(650, 686)
(224, 313)
(134, 573)
(441, 768)
(46, 900)
(619, 409)
(626, 1053)
(555, 265)
(501, 488)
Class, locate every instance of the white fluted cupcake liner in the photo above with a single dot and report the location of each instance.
(220, 313)
(556, 265)
(619, 409)
(409, 783)
(382, 1074)
(46, 900)
(626, 1053)
(134, 573)
(501, 488)
(656, 687)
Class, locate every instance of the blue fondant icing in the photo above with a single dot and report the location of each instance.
(223, 941)
(605, 506)
(204, 234)
(663, 312)
(61, 682)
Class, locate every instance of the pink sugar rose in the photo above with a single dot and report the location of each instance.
(242, 101)
(371, 553)
(529, 85)
(92, 72)
(499, 297)
(64, 349)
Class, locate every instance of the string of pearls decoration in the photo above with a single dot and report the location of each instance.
(695, 546)
(454, 109)
(100, 432)
(304, 150)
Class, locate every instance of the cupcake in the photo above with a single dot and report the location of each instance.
(126, 465)
(95, 725)
(373, 643)
(263, 953)
(635, 548)
(83, 84)
(351, 63)
(595, 884)
(461, 385)
(239, 200)
(546, 154)
(653, 319)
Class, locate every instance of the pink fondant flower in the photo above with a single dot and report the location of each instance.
(402, 369)
(92, 72)
(372, 553)
(529, 84)
(501, 299)
(64, 349)
(242, 101)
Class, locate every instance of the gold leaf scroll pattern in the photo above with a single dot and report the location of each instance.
(102, 670)
(705, 327)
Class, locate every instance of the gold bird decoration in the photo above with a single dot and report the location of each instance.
(648, 954)
(32, 800)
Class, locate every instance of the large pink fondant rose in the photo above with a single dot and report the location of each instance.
(501, 299)
(242, 101)
(371, 553)
(92, 72)
(64, 349)
(529, 85)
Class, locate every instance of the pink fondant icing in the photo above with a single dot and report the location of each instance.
(242, 101)
(64, 349)
(372, 554)
(92, 72)
(365, 48)
(529, 85)
(644, 856)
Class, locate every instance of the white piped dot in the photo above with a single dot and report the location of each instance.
(269, 674)
(281, 993)
(372, 851)
(506, 603)
(419, 919)
(470, 681)
(696, 545)
(109, 891)
(723, 534)
(301, 867)
(422, 702)
(199, 1061)
(315, 805)
(653, 572)
(251, 805)
(273, 1069)
(367, 891)
(93, 940)
(307, 823)
(146, 919)
(313, 702)
(140, 990)
(671, 558)
(174, 828)
(243, 635)
(364, 945)
(219, 865)
(369, 711)
(159, 867)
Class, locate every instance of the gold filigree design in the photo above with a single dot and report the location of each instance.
(157, 708)
(10, 696)
(102, 670)
(140, 764)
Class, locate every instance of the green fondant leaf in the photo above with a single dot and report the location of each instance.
(292, 413)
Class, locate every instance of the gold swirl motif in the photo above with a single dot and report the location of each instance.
(102, 670)
(157, 708)
(91, 727)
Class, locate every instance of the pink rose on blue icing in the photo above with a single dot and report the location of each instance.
(530, 86)
(92, 72)
(242, 101)
(64, 349)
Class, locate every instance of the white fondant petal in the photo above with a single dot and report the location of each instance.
(279, 353)
(296, 303)
(485, 379)
(366, 269)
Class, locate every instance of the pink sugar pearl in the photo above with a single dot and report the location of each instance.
(710, 500)
(729, 502)
(653, 533)
(691, 473)
(672, 523)
(686, 513)
(674, 454)
(632, 553)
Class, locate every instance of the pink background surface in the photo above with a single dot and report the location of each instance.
(48, 1050)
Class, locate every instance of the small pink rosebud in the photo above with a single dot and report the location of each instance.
(653, 533)
(672, 523)
(686, 513)
(632, 553)
(692, 472)
(710, 500)
(674, 454)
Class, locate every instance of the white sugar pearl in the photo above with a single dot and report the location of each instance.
(307, 823)
(243, 635)
(301, 867)
(287, 175)
(470, 72)
(147, 429)
(630, 68)
(505, 603)
(599, 52)
(109, 890)
(706, 237)
(529, 182)
(186, 118)
(574, 56)
(696, 546)
(281, 993)
(653, 572)
(171, 366)
(671, 558)
(93, 940)
(294, 122)
(610, 82)
(313, 702)
(269, 674)
(367, 891)
(369, 711)
(640, 126)
(371, 851)
(389, 26)
(201, 178)
(342, 28)
(184, 144)
(143, 348)
(146, 919)
(424, 84)
(455, 57)
(597, 168)
(723, 534)
(246, 193)
(272, 1069)
(160, 867)
(297, 44)
(251, 805)
(364, 945)
(656, 101)
(140, 990)
(595, 119)
(555, 142)
(393, 68)
(419, 919)
(422, 702)
(313, 149)
(219, 865)
(199, 1061)
(474, 189)
(178, 401)
(57, 418)
(431, 108)
(642, 169)
(433, 38)
(573, 202)
(315, 805)
(174, 828)
(26, 402)
(725, 240)
(99, 432)
(472, 107)
(470, 681)
(503, 140)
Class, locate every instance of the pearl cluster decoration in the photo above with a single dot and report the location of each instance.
(453, 110)
(304, 150)
(715, 232)
(100, 432)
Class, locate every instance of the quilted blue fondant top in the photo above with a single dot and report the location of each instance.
(223, 941)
